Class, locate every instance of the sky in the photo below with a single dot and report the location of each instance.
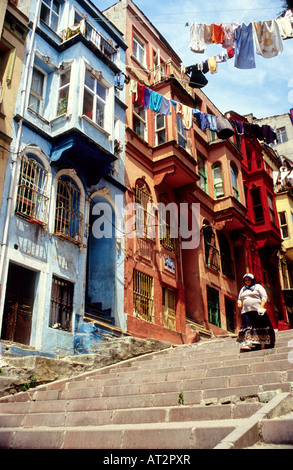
(264, 91)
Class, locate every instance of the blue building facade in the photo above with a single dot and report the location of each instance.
(65, 178)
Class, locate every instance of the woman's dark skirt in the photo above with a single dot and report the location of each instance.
(256, 330)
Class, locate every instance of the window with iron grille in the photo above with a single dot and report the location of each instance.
(61, 304)
(145, 221)
(143, 296)
(68, 217)
(32, 197)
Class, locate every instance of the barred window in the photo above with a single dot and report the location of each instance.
(61, 304)
(32, 197)
(144, 219)
(143, 296)
(68, 217)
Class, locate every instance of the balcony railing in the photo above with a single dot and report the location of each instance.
(167, 70)
(92, 35)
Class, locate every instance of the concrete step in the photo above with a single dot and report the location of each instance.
(32, 418)
(134, 404)
(278, 430)
(181, 435)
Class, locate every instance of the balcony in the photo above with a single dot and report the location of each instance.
(167, 70)
(93, 36)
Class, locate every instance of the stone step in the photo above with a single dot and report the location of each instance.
(31, 418)
(278, 430)
(181, 435)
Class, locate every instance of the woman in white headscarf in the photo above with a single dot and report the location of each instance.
(256, 331)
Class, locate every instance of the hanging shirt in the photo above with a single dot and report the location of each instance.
(197, 44)
(244, 47)
(155, 101)
(222, 57)
(268, 41)
(147, 96)
(285, 27)
(213, 67)
(269, 135)
(140, 94)
(217, 34)
(229, 34)
(165, 109)
(133, 89)
(208, 31)
(119, 81)
(213, 122)
(187, 117)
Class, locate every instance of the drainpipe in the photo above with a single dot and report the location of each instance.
(24, 91)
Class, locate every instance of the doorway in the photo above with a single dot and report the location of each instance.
(18, 307)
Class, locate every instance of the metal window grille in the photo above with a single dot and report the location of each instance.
(143, 296)
(143, 218)
(61, 304)
(32, 197)
(68, 218)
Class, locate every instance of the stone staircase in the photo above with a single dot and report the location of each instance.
(200, 396)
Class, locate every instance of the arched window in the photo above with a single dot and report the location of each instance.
(68, 215)
(218, 180)
(234, 178)
(32, 194)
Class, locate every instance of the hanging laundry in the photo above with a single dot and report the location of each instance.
(203, 121)
(229, 34)
(155, 101)
(213, 122)
(197, 79)
(147, 96)
(208, 31)
(248, 130)
(224, 128)
(213, 67)
(217, 34)
(133, 89)
(140, 94)
(285, 27)
(269, 134)
(165, 109)
(174, 103)
(244, 47)
(197, 43)
(268, 41)
(238, 126)
(187, 117)
(179, 109)
(231, 52)
(119, 81)
(257, 131)
(222, 57)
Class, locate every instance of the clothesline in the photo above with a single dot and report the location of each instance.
(224, 127)
(262, 37)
